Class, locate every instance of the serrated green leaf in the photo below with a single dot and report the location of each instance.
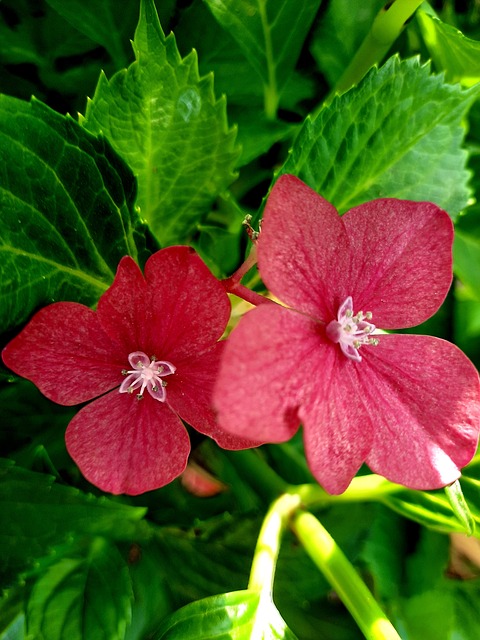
(37, 513)
(239, 615)
(339, 34)
(451, 51)
(163, 119)
(67, 211)
(271, 34)
(82, 598)
(398, 134)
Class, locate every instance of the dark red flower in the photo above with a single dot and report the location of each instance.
(407, 405)
(149, 355)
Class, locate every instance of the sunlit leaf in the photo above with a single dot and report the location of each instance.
(239, 615)
(451, 51)
(164, 120)
(398, 134)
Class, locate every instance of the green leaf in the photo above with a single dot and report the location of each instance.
(163, 119)
(398, 134)
(67, 211)
(82, 598)
(36, 514)
(451, 51)
(239, 615)
(271, 34)
(339, 34)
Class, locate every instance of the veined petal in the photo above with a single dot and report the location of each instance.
(303, 250)
(401, 260)
(176, 310)
(423, 396)
(190, 395)
(66, 354)
(262, 376)
(123, 310)
(125, 445)
(190, 306)
(337, 422)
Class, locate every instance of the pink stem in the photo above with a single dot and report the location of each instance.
(233, 283)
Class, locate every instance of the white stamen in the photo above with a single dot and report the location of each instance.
(351, 331)
(146, 373)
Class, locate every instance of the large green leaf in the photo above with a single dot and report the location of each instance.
(36, 513)
(239, 615)
(82, 598)
(451, 51)
(164, 120)
(398, 134)
(67, 211)
(270, 33)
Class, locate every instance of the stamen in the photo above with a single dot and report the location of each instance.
(351, 331)
(146, 373)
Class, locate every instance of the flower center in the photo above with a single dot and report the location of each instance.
(146, 373)
(351, 331)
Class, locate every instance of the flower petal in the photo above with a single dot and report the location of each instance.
(177, 310)
(261, 378)
(124, 311)
(189, 393)
(125, 445)
(337, 423)
(423, 395)
(303, 250)
(401, 260)
(190, 306)
(66, 354)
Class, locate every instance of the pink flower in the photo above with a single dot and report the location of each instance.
(150, 356)
(407, 405)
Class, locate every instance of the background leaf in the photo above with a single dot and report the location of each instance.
(102, 22)
(271, 34)
(165, 122)
(67, 216)
(37, 514)
(340, 33)
(82, 598)
(398, 134)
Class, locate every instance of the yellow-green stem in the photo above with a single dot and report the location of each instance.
(342, 576)
(385, 29)
(268, 544)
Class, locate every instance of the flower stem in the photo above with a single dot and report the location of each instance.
(385, 29)
(268, 544)
(233, 283)
(336, 568)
